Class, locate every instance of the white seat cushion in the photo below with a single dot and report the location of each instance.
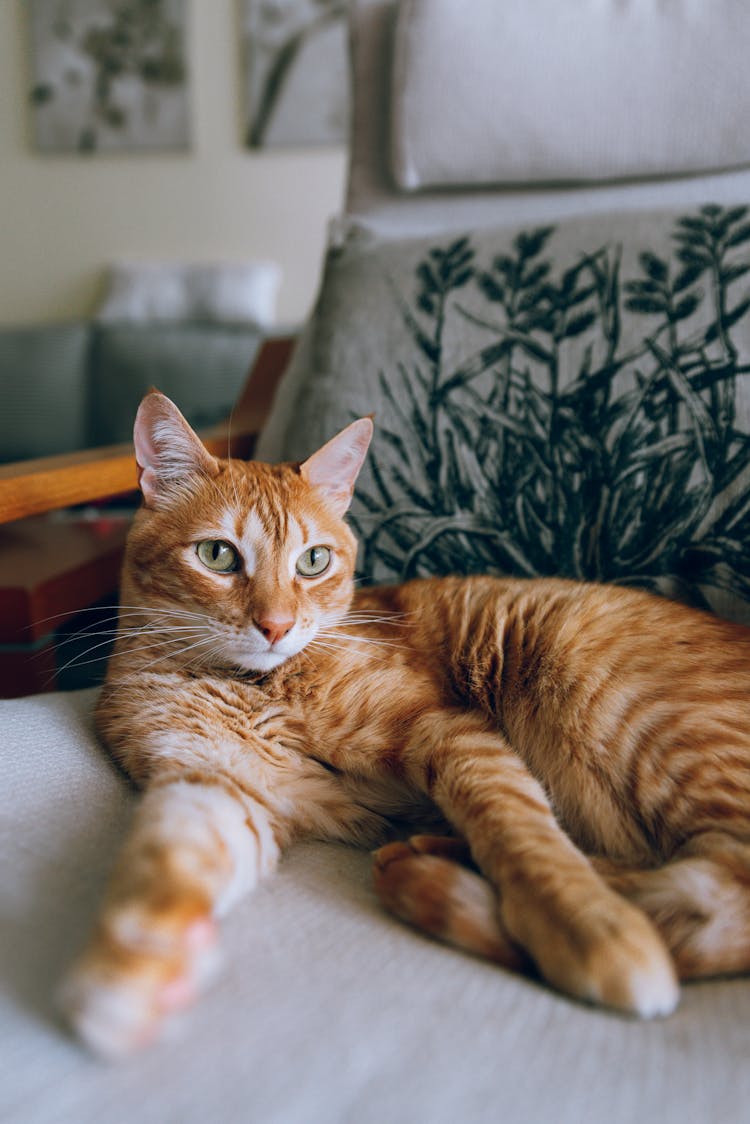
(327, 1009)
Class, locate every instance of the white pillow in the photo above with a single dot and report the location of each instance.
(234, 292)
(227, 293)
(144, 291)
(523, 91)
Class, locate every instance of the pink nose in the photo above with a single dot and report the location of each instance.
(274, 628)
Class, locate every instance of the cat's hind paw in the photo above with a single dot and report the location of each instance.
(132, 979)
(423, 884)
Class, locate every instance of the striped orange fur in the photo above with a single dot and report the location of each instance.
(588, 746)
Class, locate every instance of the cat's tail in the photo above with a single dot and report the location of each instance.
(427, 883)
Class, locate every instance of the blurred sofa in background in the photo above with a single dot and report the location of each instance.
(190, 329)
(75, 385)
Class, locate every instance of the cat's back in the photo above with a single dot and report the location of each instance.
(629, 632)
(569, 621)
(615, 699)
(560, 650)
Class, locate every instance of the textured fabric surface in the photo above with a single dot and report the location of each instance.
(42, 390)
(373, 199)
(558, 90)
(202, 366)
(566, 400)
(327, 1010)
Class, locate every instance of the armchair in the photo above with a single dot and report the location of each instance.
(327, 1009)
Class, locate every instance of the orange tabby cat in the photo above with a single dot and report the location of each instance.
(258, 700)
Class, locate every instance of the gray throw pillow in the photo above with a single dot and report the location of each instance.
(568, 400)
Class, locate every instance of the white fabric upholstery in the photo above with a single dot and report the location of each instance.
(327, 1010)
(374, 200)
(563, 90)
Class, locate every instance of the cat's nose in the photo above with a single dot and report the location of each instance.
(274, 627)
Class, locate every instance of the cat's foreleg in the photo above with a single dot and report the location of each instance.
(584, 938)
(195, 847)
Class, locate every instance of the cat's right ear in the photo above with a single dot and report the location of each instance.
(167, 450)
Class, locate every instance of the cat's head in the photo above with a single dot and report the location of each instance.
(259, 553)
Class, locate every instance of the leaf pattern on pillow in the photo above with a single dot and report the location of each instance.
(634, 467)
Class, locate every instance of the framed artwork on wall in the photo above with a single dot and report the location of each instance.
(109, 75)
(296, 82)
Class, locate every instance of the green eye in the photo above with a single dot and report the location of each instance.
(314, 561)
(218, 555)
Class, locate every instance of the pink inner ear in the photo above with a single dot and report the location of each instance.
(146, 452)
(335, 467)
(166, 448)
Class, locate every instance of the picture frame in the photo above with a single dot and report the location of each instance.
(109, 75)
(296, 81)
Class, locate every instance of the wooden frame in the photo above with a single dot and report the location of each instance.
(35, 486)
(53, 569)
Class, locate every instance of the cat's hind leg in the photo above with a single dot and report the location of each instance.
(584, 939)
(427, 883)
(699, 902)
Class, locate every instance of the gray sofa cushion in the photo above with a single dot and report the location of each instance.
(43, 390)
(569, 399)
(327, 1009)
(202, 367)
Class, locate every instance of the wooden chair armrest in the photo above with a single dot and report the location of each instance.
(34, 486)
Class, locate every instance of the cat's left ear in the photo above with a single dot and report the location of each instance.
(335, 467)
(167, 450)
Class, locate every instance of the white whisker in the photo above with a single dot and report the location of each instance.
(119, 684)
(336, 649)
(231, 475)
(146, 630)
(361, 639)
(360, 621)
(76, 661)
(118, 612)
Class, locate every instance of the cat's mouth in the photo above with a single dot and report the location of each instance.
(263, 661)
(255, 653)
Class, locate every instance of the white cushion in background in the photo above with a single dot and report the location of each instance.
(374, 200)
(228, 292)
(525, 91)
(327, 1011)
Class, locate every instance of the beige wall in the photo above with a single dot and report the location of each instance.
(63, 218)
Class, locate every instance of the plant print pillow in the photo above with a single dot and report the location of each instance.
(570, 400)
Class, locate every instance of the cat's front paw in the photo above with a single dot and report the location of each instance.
(605, 951)
(142, 965)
